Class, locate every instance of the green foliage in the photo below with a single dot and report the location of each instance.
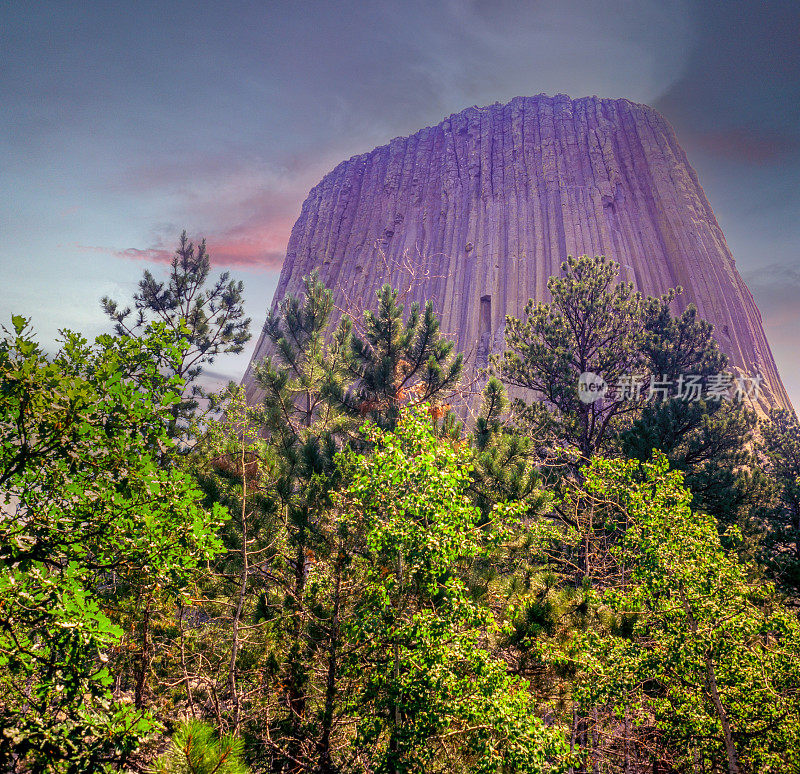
(433, 691)
(307, 428)
(195, 748)
(298, 378)
(506, 462)
(708, 651)
(593, 324)
(242, 625)
(712, 444)
(409, 596)
(211, 318)
(87, 510)
(393, 363)
(709, 440)
(596, 324)
(780, 450)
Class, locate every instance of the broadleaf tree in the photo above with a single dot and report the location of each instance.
(431, 692)
(708, 652)
(89, 514)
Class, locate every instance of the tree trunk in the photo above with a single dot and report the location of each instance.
(573, 735)
(711, 679)
(144, 662)
(237, 617)
(397, 718)
(186, 681)
(626, 764)
(730, 747)
(296, 699)
(325, 762)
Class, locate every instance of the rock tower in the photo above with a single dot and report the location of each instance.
(478, 212)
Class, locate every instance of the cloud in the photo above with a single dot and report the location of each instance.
(256, 248)
(776, 289)
(241, 204)
(485, 51)
(256, 240)
(150, 254)
(750, 144)
(242, 178)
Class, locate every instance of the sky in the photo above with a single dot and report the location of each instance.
(123, 123)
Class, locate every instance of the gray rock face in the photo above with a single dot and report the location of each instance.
(478, 212)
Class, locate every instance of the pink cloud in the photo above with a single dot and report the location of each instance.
(151, 254)
(259, 245)
(242, 204)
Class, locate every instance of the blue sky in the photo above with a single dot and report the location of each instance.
(123, 123)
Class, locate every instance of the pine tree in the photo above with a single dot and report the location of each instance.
(306, 429)
(708, 439)
(506, 461)
(592, 325)
(210, 316)
(195, 748)
(780, 451)
(396, 363)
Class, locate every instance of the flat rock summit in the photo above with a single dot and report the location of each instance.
(478, 212)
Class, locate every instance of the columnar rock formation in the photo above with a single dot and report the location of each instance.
(478, 212)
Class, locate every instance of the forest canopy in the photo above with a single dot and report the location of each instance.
(367, 571)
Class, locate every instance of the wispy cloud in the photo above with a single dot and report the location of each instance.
(312, 103)
(243, 206)
(151, 254)
(252, 246)
(776, 289)
(754, 145)
(240, 247)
